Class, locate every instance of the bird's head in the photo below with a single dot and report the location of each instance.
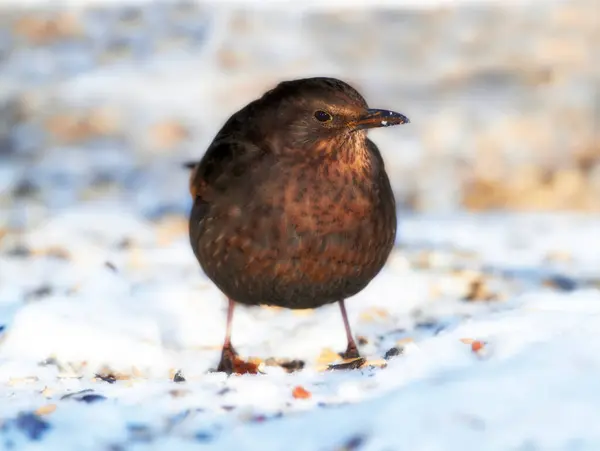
(320, 113)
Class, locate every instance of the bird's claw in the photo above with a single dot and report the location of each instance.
(351, 352)
(227, 362)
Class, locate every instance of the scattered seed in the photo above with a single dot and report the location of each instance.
(351, 365)
(353, 444)
(19, 251)
(479, 291)
(300, 392)
(92, 398)
(178, 377)
(110, 378)
(46, 409)
(40, 292)
(431, 325)
(125, 243)
(49, 361)
(224, 391)
(362, 340)
(477, 346)
(560, 283)
(392, 352)
(292, 365)
(77, 393)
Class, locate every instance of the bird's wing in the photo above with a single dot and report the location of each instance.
(224, 166)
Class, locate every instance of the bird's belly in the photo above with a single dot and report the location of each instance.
(299, 258)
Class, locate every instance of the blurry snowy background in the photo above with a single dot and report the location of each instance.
(105, 99)
(101, 102)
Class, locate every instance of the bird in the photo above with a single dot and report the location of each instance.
(292, 206)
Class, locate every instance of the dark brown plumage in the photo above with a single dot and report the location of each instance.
(292, 205)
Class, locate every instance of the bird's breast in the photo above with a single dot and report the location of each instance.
(335, 214)
(326, 205)
(302, 235)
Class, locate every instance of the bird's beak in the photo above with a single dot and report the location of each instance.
(373, 118)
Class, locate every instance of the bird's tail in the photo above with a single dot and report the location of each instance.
(193, 167)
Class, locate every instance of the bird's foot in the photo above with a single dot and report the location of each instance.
(228, 359)
(351, 352)
(231, 363)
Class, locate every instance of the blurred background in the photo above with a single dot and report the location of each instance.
(102, 101)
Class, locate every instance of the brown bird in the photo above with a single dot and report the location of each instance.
(292, 204)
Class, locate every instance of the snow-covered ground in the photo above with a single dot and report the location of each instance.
(495, 318)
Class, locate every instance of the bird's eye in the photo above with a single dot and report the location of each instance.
(323, 116)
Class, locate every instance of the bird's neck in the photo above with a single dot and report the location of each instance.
(349, 152)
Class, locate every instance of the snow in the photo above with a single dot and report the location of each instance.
(151, 312)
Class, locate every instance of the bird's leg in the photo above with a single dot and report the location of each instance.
(352, 349)
(228, 354)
